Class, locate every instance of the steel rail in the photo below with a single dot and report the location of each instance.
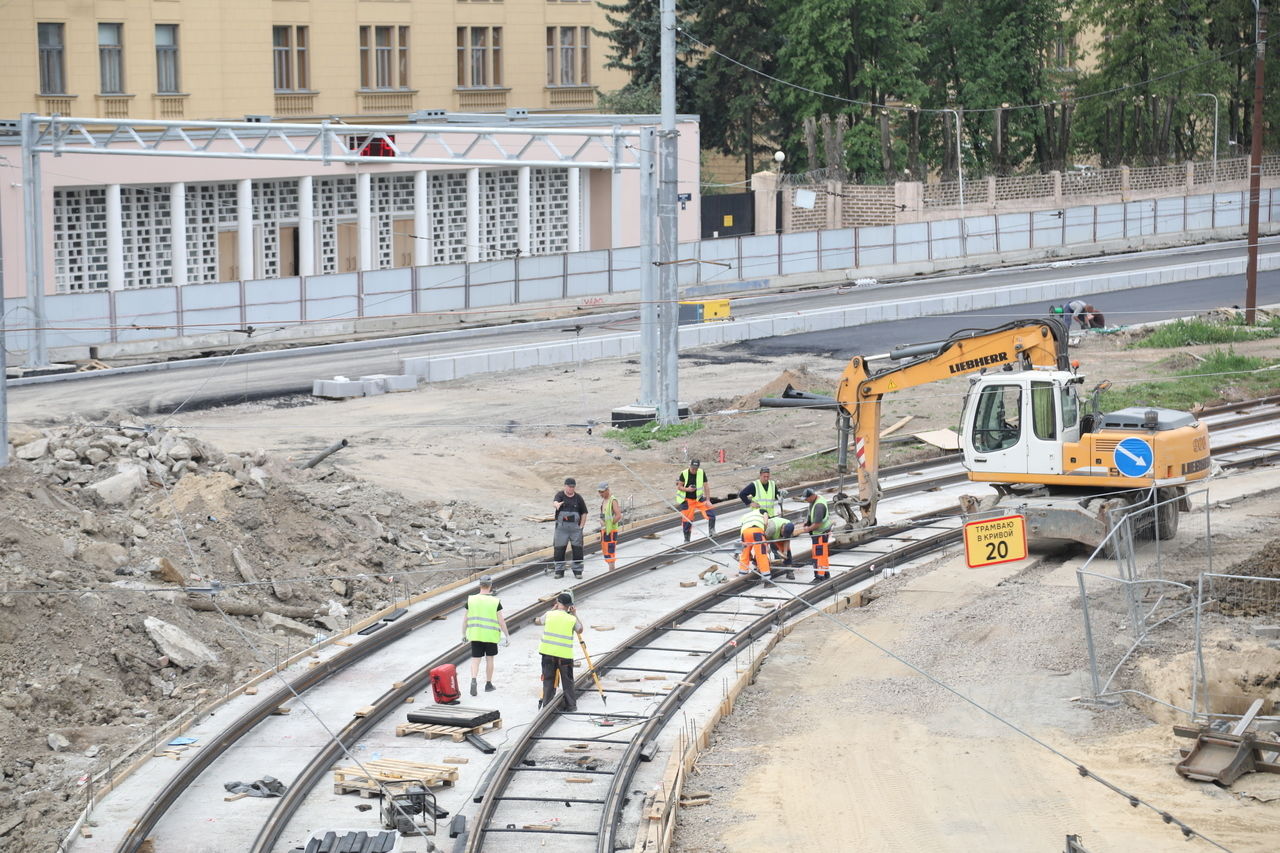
(685, 687)
(395, 631)
(392, 701)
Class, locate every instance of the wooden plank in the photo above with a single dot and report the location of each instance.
(1247, 720)
(897, 426)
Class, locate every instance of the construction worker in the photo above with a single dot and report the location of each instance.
(691, 497)
(570, 519)
(484, 626)
(764, 492)
(556, 648)
(753, 542)
(779, 533)
(610, 521)
(818, 526)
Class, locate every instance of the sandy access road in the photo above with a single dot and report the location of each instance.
(838, 747)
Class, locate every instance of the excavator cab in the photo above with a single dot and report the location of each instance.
(1015, 422)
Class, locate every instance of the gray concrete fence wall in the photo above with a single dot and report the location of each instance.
(292, 309)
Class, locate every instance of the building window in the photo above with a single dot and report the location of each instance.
(52, 59)
(384, 57)
(111, 58)
(568, 56)
(479, 57)
(289, 55)
(168, 81)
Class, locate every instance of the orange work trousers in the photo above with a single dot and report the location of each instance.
(754, 546)
(689, 506)
(609, 546)
(821, 554)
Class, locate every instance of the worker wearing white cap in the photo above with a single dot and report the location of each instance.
(610, 521)
(483, 627)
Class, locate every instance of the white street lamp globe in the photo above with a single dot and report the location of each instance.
(779, 156)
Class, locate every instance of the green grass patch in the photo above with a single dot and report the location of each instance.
(1221, 372)
(1185, 333)
(641, 437)
(813, 467)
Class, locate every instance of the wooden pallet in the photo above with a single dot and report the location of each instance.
(457, 733)
(388, 773)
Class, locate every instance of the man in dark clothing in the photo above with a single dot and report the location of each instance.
(570, 518)
(763, 492)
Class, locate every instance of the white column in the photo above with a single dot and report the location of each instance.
(522, 210)
(473, 214)
(178, 232)
(115, 239)
(364, 219)
(421, 218)
(244, 228)
(306, 225)
(575, 210)
(615, 208)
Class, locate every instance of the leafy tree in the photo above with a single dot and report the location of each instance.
(863, 50)
(632, 99)
(1147, 47)
(735, 105)
(636, 48)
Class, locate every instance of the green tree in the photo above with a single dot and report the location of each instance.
(863, 50)
(1148, 50)
(635, 47)
(735, 105)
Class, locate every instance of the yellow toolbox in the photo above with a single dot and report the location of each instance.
(704, 311)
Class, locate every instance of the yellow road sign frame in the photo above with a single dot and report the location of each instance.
(995, 540)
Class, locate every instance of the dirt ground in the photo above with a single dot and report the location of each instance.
(436, 483)
(839, 747)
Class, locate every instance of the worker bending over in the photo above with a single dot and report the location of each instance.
(483, 627)
(610, 521)
(570, 518)
(753, 542)
(778, 533)
(691, 497)
(818, 526)
(556, 648)
(764, 492)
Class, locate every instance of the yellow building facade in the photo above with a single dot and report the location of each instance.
(300, 59)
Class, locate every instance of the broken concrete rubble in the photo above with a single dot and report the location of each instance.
(180, 647)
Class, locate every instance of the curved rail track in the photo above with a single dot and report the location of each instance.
(1252, 447)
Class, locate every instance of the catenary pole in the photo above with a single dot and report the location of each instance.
(33, 222)
(650, 340)
(1255, 167)
(668, 407)
(4, 369)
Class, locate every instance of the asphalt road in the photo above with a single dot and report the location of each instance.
(218, 380)
(1119, 307)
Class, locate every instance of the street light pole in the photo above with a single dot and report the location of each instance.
(960, 174)
(1215, 134)
(1255, 166)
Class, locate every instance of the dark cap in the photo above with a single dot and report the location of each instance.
(564, 598)
(694, 463)
(569, 481)
(764, 470)
(809, 493)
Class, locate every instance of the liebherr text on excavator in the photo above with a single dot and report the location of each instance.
(1072, 473)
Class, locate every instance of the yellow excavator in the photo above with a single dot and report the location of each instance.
(1025, 430)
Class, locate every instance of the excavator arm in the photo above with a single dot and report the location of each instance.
(1021, 344)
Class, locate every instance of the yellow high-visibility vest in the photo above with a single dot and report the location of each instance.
(557, 634)
(482, 619)
(826, 523)
(766, 494)
(754, 518)
(699, 480)
(606, 510)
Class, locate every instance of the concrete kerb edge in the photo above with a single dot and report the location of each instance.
(721, 332)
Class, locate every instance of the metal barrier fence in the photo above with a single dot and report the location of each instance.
(84, 319)
(1143, 600)
(1225, 600)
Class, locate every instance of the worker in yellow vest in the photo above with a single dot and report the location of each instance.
(556, 648)
(610, 521)
(818, 526)
(692, 497)
(484, 626)
(753, 542)
(764, 492)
